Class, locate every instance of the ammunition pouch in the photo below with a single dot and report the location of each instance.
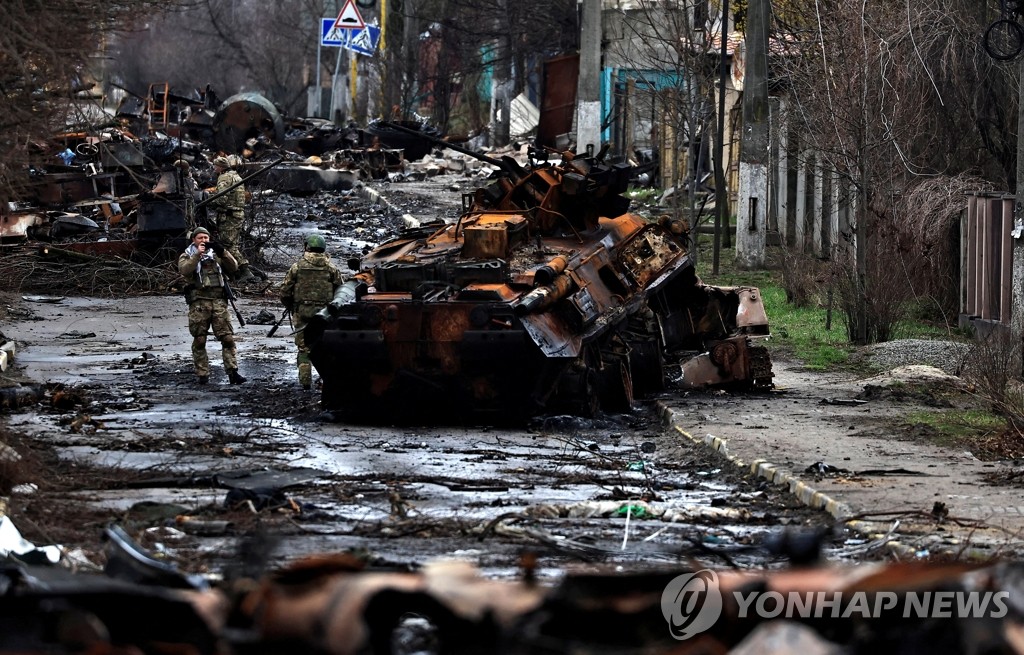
(189, 292)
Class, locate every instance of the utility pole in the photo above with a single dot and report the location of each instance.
(721, 193)
(588, 87)
(751, 213)
(1017, 266)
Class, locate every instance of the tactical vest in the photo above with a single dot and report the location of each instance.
(210, 279)
(233, 201)
(313, 283)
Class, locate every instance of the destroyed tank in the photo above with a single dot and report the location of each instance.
(545, 296)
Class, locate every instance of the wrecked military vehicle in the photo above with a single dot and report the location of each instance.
(545, 296)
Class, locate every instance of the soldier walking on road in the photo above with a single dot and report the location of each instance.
(230, 209)
(204, 265)
(309, 285)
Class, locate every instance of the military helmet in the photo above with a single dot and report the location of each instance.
(316, 242)
(222, 162)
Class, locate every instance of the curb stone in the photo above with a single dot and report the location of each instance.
(762, 468)
(376, 197)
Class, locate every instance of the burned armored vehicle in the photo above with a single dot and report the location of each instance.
(546, 295)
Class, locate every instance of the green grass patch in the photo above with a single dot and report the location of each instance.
(801, 332)
(957, 427)
(809, 334)
(643, 195)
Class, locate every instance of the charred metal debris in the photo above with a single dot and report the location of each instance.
(546, 295)
(133, 188)
(341, 604)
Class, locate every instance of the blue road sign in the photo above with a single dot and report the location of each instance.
(329, 36)
(362, 41)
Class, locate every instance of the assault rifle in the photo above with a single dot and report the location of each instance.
(238, 183)
(284, 315)
(230, 295)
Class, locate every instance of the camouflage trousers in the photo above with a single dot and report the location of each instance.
(229, 233)
(202, 314)
(302, 315)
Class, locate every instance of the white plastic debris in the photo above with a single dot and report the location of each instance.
(11, 542)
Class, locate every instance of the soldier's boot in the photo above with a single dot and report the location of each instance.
(234, 377)
(203, 379)
(244, 275)
(306, 376)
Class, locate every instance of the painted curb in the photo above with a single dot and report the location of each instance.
(377, 198)
(806, 494)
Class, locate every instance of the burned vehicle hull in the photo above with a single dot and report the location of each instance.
(545, 296)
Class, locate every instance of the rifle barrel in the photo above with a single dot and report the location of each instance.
(240, 182)
(457, 148)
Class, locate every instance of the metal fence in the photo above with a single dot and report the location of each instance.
(986, 260)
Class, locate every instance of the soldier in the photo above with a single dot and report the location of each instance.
(204, 265)
(230, 209)
(309, 285)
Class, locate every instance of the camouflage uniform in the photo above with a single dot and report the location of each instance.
(309, 285)
(208, 306)
(230, 209)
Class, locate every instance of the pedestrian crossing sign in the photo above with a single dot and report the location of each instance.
(349, 17)
(331, 35)
(363, 42)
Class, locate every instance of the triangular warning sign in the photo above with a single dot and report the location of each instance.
(349, 18)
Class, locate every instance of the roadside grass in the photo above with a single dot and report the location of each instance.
(805, 333)
(983, 432)
(820, 343)
(955, 427)
(814, 335)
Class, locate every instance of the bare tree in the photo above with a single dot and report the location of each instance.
(887, 96)
(461, 42)
(232, 45)
(670, 54)
(48, 51)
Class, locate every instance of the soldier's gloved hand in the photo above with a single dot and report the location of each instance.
(217, 248)
(288, 304)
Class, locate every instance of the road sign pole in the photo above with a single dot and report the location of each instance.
(316, 76)
(334, 85)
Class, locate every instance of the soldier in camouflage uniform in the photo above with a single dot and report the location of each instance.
(309, 285)
(203, 265)
(230, 209)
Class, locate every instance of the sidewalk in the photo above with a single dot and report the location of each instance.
(886, 477)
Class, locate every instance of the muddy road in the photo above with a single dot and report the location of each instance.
(122, 433)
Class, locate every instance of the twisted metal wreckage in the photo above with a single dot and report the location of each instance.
(545, 295)
(335, 604)
(114, 190)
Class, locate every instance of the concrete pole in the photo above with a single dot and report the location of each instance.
(721, 193)
(1017, 276)
(588, 88)
(751, 212)
(316, 75)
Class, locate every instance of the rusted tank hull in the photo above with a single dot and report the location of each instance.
(413, 359)
(394, 358)
(546, 295)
